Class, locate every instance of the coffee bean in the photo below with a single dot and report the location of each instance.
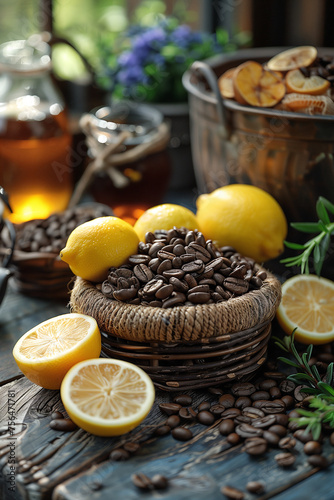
(287, 386)
(230, 413)
(55, 415)
(190, 280)
(226, 427)
(162, 430)
(179, 286)
(285, 459)
(264, 422)
(63, 424)
(312, 448)
(271, 437)
(288, 401)
(173, 421)
(131, 447)
(119, 455)
(125, 294)
(187, 413)
(152, 287)
(280, 430)
(182, 434)
(227, 400)
(164, 292)
(255, 446)
(159, 482)
(270, 407)
(142, 482)
(170, 408)
(232, 493)
(282, 419)
(143, 273)
(183, 399)
(243, 402)
(267, 384)
(197, 266)
(253, 413)
(233, 438)
(139, 259)
(255, 487)
(217, 410)
(304, 437)
(260, 395)
(176, 298)
(236, 286)
(298, 393)
(199, 297)
(205, 405)
(216, 390)
(242, 389)
(318, 461)
(287, 443)
(248, 431)
(279, 376)
(205, 417)
(275, 393)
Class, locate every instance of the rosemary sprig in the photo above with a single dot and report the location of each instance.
(321, 389)
(318, 245)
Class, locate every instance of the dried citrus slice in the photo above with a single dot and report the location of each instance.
(45, 353)
(107, 397)
(256, 86)
(304, 103)
(225, 83)
(293, 58)
(295, 81)
(308, 304)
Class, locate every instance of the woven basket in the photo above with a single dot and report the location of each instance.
(185, 347)
(43, 274)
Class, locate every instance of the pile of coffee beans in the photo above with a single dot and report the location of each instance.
(180, 267)
(50, 235)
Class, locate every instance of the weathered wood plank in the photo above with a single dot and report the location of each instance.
(18, 314)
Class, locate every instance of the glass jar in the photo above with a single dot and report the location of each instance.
(143, 181)
(35, 142)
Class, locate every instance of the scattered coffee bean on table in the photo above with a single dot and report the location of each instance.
(255, 487)
(63, 424)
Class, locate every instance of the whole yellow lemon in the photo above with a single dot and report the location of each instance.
(164, 216)
(95, 246)
(244, 217)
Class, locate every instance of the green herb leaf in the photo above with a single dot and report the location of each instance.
(329, 374)
(294, 246)
(322, 212)
(327, 204)
(306, 227)
(288, 361)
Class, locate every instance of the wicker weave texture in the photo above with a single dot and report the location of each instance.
(179, 324)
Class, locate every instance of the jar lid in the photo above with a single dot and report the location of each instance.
(28, 56)
(140, 119)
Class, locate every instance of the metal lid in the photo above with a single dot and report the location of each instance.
(25, 56)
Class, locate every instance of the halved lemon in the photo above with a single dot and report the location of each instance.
(45, 353)
(293, 58)
(107, 397)
(308, 305)
(295, 81)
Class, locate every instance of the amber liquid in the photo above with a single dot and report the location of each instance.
(147, 183)
(34, 164)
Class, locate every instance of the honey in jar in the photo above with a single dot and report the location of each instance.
(34, 139)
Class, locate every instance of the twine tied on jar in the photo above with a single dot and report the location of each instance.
(108, 157)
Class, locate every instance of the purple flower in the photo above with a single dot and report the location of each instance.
(131, 76)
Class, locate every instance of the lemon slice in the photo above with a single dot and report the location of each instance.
(107, 397)
(225, 83)
(295, 81)
(293, 58)
(45, 353)
(308, 304)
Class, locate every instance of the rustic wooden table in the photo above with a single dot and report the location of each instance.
(40, 463)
